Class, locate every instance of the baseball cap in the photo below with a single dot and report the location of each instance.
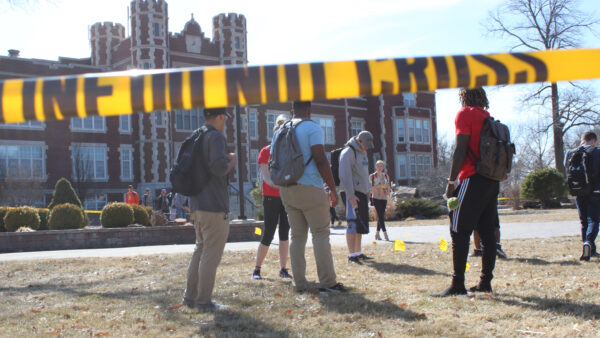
(130, 186)
(164, 190)
(215, 112)
(366, 138)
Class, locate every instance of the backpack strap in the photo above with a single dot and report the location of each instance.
(291, 125)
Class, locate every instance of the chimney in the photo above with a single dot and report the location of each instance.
(13, 53)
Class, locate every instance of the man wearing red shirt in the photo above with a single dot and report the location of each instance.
(132, 197)
(477, 196)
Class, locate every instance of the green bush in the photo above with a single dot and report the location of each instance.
(116, 215)
(546, 186)
(21, 217)
(419, 208)
(65, 216)
(3, 211)
(149, 211)
(64, 193)
(257, 196)
(43, 213)
(140, 215)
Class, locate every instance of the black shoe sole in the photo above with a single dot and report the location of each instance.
(478, 289)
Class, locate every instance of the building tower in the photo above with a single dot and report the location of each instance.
(229, 33)
(149, 34)
(103, 38)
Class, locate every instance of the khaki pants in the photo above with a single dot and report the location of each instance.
(212, 229)
(308, 208)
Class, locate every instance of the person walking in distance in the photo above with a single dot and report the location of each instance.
(210, 213)
(147, 199)
(586, 158)
(274, 213)
(477, 196)
(380, 190)
(132, 197)
(307, 204)
(354, 179)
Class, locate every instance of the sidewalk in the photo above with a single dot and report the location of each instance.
(428, 233)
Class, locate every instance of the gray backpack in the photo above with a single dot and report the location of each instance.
(287, 164)
(495, 151)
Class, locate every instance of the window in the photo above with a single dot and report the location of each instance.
(357, 126)
(409, 99)
(402, 172)
(413, 166)
(24, 162)
(159, 118)
(270, 125)
(326, 124)
(253, 165)
(428, 165)
(188, 120)
(125, 123)
(89, 163)
(156, 29)
(426, 132)
(24, 125)
(146, 65)
(238, 43)
(92, 123)
(95, 201)
(411, 130)
(252, 125)
(418, 131)
(400, 130)
(126, 164)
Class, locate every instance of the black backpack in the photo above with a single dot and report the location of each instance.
(335, 163)
(189, 174)
(495, 151)
(579, 173)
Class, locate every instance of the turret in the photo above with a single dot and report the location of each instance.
(230, 34)
(149, 34)
(103, 38)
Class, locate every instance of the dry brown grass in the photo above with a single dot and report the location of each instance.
(506, 216)
(543, 290)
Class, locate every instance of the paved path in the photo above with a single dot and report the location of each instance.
(428, 233)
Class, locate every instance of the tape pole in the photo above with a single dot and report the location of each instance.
(108, 94)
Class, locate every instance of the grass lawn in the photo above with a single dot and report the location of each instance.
(543, 290)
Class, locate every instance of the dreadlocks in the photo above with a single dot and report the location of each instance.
(473, 98)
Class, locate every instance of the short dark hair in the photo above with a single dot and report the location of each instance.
(475, 97)
(301, 107)
(589, 135)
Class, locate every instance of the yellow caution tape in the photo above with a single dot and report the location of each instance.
(117, 93)
(86, 211)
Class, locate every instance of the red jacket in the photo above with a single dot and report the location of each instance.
(132, 198)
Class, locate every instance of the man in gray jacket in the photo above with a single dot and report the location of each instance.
(354, 180)
(210, 213)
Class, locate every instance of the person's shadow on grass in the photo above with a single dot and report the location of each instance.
(403, 269)
(557, 305)
(537, 261)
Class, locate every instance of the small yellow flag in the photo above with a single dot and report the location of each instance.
(443, 244)
(399, 245)
(257, 231)
(467, 267)
(406, 236)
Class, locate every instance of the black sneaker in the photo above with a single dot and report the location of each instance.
(477, 253)
(365, 257)
(256, 274)
(283, 273)
(337, 288)
(354, 260)
(451, 291)
(500, 253)
(482, 287)
(587, 252)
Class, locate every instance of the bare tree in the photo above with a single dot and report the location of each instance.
(83, 172)
(437, 179)
(544, 25)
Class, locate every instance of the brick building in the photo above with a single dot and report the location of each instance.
(103, 155)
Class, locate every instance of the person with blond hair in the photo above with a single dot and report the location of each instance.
(274, 213)
(380, 190)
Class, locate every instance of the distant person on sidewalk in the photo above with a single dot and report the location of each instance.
(380, 191)
(147, 199)
(477, 196)
(210, 213)
(583, 164)
(131, 197)
(307, 204)
(182, 206)
(354, 179)
(162, 203)
(274, 213)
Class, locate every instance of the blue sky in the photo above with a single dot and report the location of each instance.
(285, 32)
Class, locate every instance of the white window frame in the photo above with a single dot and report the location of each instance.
(419, 133)
(427, 132)
(419, 163)
(401, 163)
(37, 125)
(409, 99)
(31, 178)
(94, 128)
(253, 165)
(234, 38)
(253, 124)
(102, 146)
(122, 150)
(318, 119)
(400, 130)
(411, 131)
(187, 115)
(127, 118)
(273, 114)
(361, 126)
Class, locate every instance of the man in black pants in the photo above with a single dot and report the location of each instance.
(477, 196)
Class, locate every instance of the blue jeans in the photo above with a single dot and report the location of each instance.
(589, 216)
